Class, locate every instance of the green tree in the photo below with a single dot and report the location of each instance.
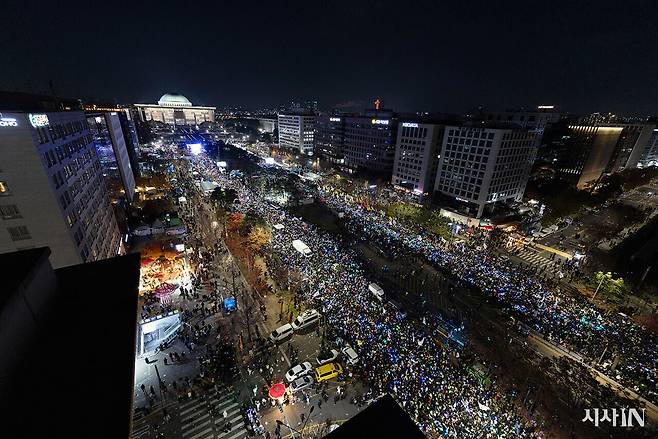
(609, 286)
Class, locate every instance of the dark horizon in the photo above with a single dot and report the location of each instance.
(431, 57)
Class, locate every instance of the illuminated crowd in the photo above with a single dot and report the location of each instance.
(561, 317)
(398, 355)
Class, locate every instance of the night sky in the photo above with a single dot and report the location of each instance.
(448, 56)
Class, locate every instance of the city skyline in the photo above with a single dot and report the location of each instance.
(329, 219)
(581, 58)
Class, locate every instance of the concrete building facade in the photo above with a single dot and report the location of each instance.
(369, 141)
(52, 191)
(417, 156)
(297, 131)
(329, 138)
(112, 149)
(482, 166)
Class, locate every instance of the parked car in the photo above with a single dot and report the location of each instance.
(281, 333)
(306, 319)
(350, 355)
(301, 383)
(299, 371)
(326, 357)
(327, 372)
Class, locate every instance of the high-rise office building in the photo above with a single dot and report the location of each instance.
(52, 191)
(588, 153)
(129, 128)
(369, 141)
(595, 150)
(417, 156)
(630, 146)
(112, 150)
(329, 136)
(297, 131)
(482, 166)
(130, 123)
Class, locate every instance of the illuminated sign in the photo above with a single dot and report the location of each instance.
(334, 119)
(39, 120)
(461, 199)
(545, 107)
(379, 122)
(8, 122)
(410, 125)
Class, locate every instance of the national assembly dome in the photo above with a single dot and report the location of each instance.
(174, 100)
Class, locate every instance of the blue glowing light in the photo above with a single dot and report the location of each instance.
(195, 148)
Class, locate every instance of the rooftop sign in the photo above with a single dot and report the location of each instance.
(39, 120)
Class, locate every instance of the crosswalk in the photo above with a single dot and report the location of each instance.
(197, 421)
(140, 426)
(199, 418)
(531, 256)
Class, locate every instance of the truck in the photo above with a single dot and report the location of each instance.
(377, 291)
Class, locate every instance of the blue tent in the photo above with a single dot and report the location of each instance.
(229, 304)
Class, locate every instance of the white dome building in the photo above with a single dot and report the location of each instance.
(174, 100)
(175, 109)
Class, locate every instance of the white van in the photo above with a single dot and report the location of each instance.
(377, 291)
(281, 333)
(306, 319)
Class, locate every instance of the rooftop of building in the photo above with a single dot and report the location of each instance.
(68, 345)
(297, 112)
(15, 101)
(492, 125)
(383, 418)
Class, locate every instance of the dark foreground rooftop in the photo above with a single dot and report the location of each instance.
(67, 339)
(383, 418)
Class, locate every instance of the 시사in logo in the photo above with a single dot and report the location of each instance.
(616, 417)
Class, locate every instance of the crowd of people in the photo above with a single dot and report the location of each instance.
(561, 317)
(403, 357)
(398, 355)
